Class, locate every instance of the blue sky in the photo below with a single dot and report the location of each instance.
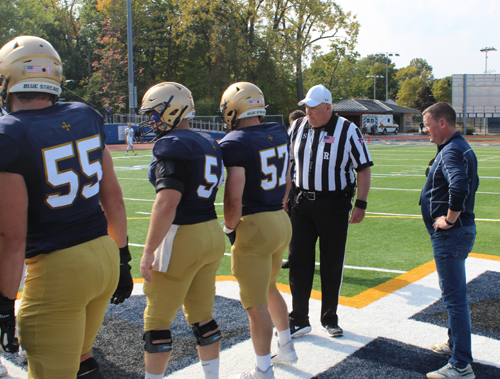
(448, 34)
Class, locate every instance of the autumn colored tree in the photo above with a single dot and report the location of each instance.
(110, 77)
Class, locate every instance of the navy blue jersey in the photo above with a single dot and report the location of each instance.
(201, 157)
(58, 151)
(263, 151)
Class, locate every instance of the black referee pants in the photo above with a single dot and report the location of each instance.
(328, 219)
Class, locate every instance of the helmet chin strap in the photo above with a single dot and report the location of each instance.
(164, 107)
(233, 121)
(175, 123)
(3, 93)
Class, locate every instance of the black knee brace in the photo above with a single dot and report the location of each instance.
(199, 331)
(155, 335)
(89, 369)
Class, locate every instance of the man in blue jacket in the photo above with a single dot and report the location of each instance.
(447, 204)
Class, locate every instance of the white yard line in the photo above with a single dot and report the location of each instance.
(317, 264)
(421, 175)
(133, 179)
(418, 190)
(368, 213)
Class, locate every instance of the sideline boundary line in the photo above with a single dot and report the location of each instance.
(368, 215)
(371, 295)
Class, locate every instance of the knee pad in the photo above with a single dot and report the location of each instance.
(155, 335)
(199, 331)
(89, 369)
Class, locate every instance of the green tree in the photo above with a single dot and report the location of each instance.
(350, 78)
(408, 92)
(425, 98)
(343, 77)
(424, 69)
(418, 68)
(24, 17)
(408, 72)
(298, 25)
(442, 90)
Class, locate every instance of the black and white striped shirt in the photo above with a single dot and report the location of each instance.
(325, 158)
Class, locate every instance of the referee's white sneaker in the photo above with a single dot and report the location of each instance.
(3, 370)
(285, 354)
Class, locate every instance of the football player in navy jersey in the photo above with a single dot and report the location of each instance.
(62, 211)
(256, 158)
(185, 244)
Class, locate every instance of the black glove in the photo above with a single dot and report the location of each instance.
(8, 341)
(230, 233)
(125, 284)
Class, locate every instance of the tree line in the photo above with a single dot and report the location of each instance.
(209, 44)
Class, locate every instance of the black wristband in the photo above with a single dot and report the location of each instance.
(125, 256)
(449, 223)
(6, 305)
(361, 204)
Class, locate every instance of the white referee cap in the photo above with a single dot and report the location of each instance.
(317, 95)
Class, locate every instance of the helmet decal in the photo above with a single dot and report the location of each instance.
(29, 64)
(241, 100)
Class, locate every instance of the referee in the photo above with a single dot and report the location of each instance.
(326, 151)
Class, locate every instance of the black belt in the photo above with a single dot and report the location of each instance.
(313, 195)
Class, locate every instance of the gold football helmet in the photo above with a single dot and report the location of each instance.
(241, 100)
(29, 64)
(172, 101)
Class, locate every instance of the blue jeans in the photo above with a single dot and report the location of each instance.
(451, 248)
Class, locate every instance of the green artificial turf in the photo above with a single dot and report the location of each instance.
(392, 236)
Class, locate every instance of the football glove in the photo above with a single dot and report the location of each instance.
(230, 233)
(8, 341)
(125, 284)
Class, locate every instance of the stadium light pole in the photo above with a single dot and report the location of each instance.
(131, 97)
(387, 55)
(485, 50)
(374, 82)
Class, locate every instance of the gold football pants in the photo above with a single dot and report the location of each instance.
(257, 254)
(190, 278)
(65, 297)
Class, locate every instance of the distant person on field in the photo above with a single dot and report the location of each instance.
(137, 135)
(129, 137)
(107, 113)
(447, 204)
(291, 118)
